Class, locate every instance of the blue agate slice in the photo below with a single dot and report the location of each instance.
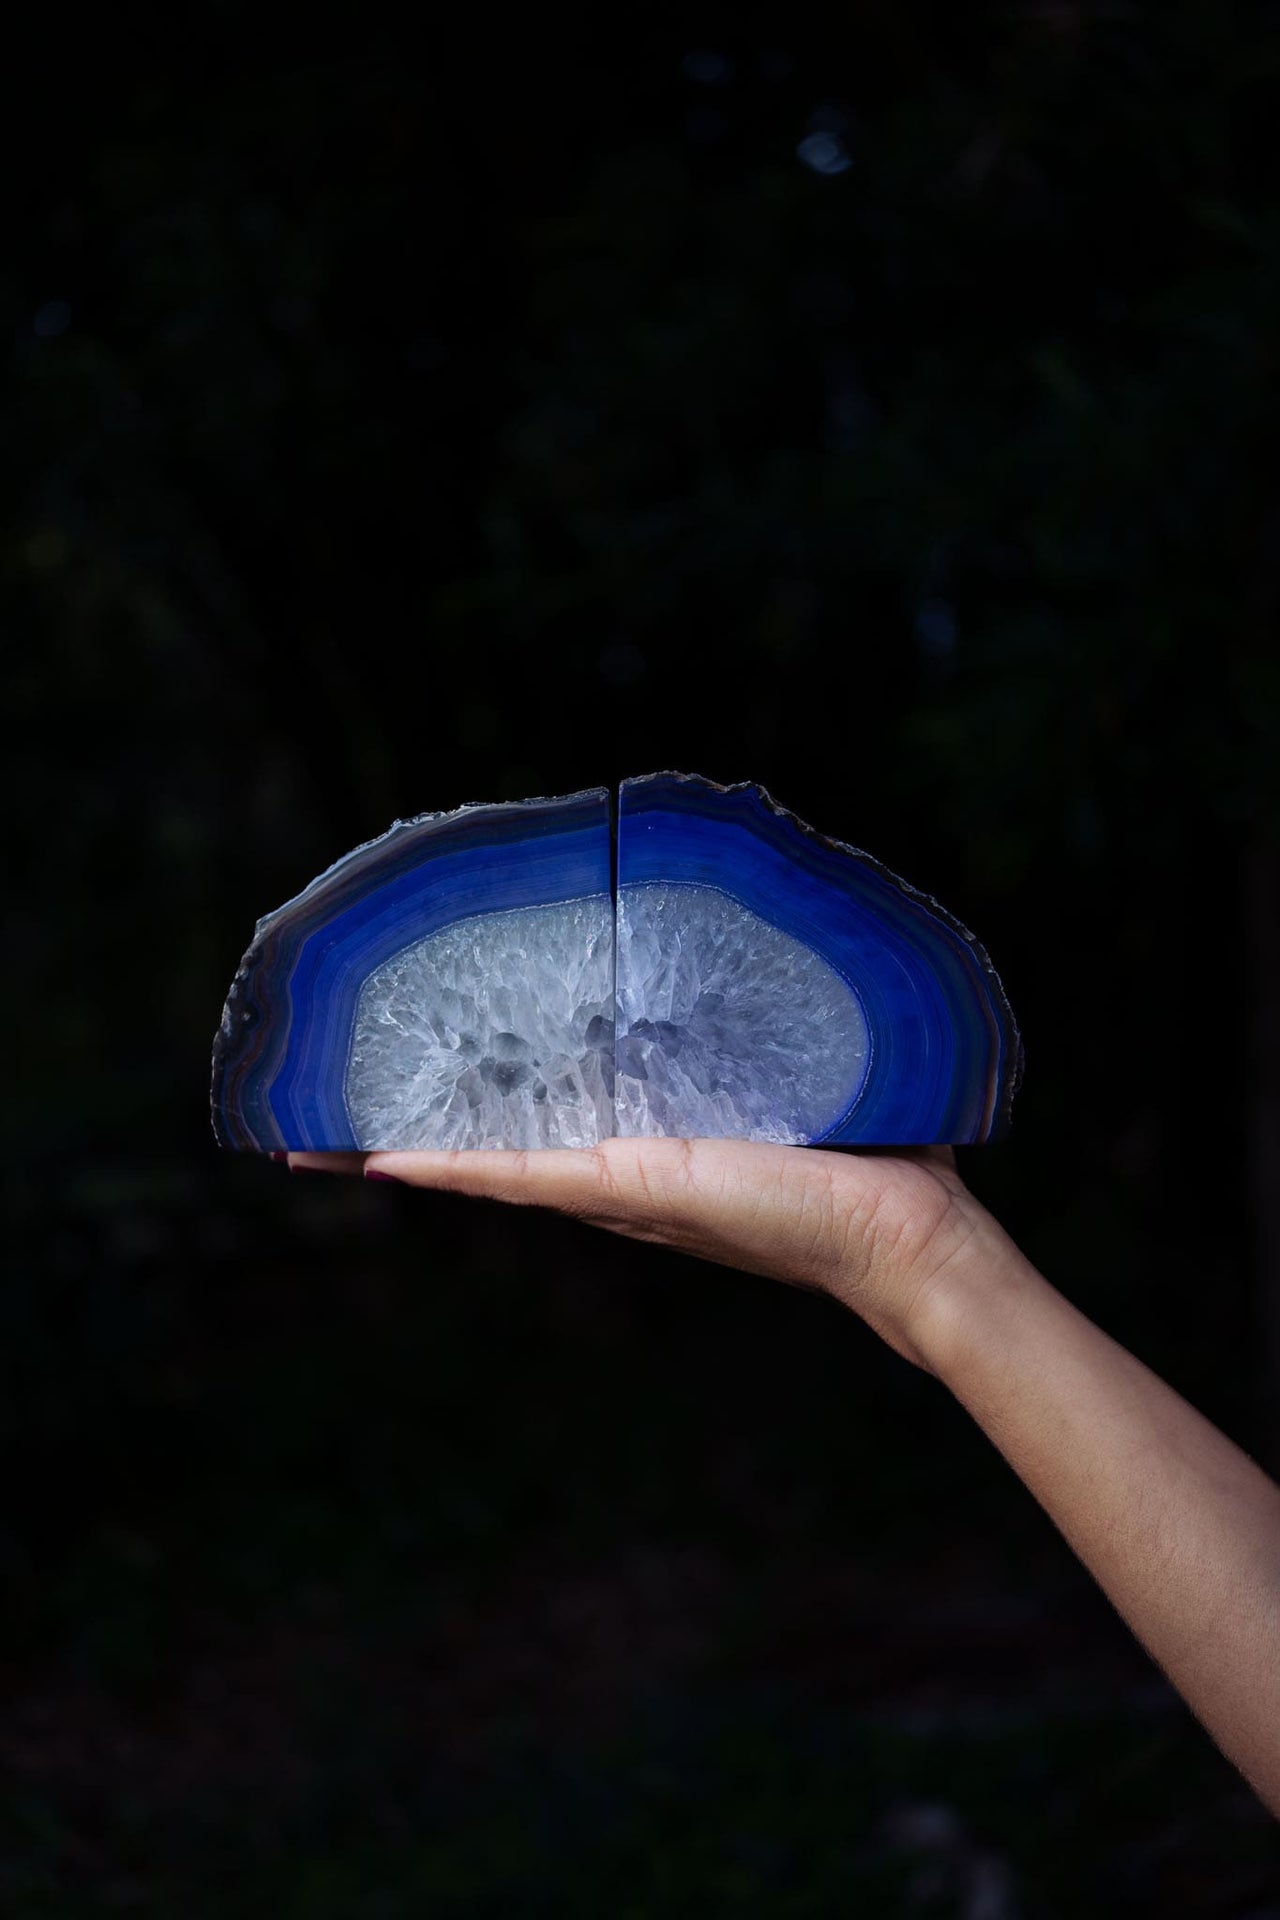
(776, 985)
(480, 979)
(449, 984)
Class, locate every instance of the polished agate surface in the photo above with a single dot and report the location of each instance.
(689, 960)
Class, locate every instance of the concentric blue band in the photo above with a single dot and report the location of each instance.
(945, 1054)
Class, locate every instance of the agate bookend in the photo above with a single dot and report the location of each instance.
(537, 974)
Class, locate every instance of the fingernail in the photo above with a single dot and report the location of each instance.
(374, 1173)
(278, 1157)
(294, 1167)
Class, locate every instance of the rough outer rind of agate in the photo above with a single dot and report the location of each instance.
(281, 1054)
(945, 1052)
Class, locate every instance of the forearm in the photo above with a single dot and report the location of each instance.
(1179, 1527)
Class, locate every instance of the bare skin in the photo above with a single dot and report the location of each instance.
(1179, 1527)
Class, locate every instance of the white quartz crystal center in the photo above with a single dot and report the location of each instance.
(727, 1027)
(496, 1031)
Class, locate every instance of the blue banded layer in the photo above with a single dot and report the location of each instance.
(282, 1051)
(944, 1053)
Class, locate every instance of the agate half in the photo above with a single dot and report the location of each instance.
(543, 974)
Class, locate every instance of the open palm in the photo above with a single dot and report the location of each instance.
(877, 1230)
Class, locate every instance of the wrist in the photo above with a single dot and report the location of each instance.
(966, 1308)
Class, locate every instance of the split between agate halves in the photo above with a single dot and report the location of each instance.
(479, 979)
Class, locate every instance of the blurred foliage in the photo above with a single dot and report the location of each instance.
(888, 415)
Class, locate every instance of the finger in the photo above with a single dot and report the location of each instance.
(617, 1178)
(326, 1162)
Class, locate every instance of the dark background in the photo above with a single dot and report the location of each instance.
(888, 415)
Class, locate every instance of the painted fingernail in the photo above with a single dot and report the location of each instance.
(302, 1167)
(278, 1157)
(374, 1173)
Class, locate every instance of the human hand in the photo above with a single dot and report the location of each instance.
(880, 1231)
